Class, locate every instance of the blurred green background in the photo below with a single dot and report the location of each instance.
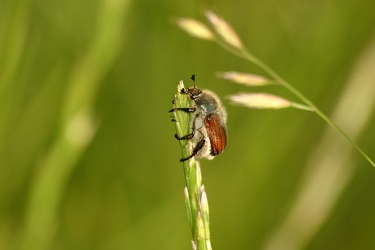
(87, 154)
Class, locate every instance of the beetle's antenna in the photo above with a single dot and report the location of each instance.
(193, 78)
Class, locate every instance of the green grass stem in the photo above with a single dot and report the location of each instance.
(304, 99)
(195, 195)
(310, 106)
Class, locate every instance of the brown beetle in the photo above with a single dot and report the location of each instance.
(208, 123)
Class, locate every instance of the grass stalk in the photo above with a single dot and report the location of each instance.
(195, 195)
(303, 98)
(77, 127)
(223, 34)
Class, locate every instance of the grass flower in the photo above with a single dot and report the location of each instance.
(195, 28)
(260, 101)
(228, 36)
(224, 30)
(245, 78)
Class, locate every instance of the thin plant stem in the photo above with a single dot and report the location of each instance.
(311, 106)
(195, 195)
(304, 99)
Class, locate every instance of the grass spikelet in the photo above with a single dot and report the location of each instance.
(195, 28)
(224, 29)
(245, 78)
(229, 40)
(259, 101)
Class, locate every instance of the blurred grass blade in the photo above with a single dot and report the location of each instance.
(14, 29)
(14, 25)
(76, 129)
(330, 166)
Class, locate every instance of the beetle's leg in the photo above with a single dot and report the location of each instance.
(187, 110)
(197, 148)
(191, 135)
(185, 137)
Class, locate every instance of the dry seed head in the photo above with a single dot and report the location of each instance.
(225, 31)
(245, 79)
(195, 28)
(259, 101)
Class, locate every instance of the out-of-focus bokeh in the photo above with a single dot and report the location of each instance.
(87, 154)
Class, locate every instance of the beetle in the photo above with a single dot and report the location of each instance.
(207, 123)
